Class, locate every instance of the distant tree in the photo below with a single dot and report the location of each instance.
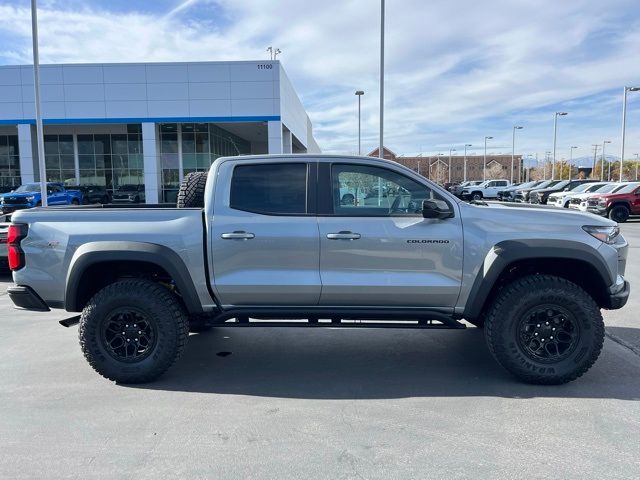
(495, 171)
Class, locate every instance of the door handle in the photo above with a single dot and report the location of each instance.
(238, 235)
(344, 235)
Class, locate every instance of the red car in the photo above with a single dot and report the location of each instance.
(618, 206)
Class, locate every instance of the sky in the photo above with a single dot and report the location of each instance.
(456, 70)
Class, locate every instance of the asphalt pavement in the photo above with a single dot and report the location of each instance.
(328, 404)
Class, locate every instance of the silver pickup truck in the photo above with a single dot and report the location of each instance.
(268, 240)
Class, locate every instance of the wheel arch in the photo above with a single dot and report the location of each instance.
(574, 261)
(97, 264)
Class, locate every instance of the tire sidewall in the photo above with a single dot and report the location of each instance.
(164, 350)
(511, 354)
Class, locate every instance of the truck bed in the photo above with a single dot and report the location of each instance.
(56, 234)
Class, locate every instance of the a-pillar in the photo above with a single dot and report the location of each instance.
(151, 163)
(26, 142)
(274, 134)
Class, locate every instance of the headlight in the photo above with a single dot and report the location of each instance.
(31, 199)
(604, 234)
(602, 203)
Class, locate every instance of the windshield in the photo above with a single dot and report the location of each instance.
(584, 187)
(628, 188)
(561, 184)
(609, 188)
(544, 184)
(593, 187)
(29, 187)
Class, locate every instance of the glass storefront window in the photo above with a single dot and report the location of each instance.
(9, 162)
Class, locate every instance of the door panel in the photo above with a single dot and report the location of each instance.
(382, 252)
(395, 262)
(264, 258)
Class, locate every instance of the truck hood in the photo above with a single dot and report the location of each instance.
(543, 216)
(20, 194)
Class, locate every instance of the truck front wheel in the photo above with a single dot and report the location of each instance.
(132, 331)
(544, 329)
(619, 213)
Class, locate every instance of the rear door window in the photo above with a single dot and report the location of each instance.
(270, 189)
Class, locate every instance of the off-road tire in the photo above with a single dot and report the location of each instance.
(619, 213)
(511, 305)
(476, 196)
(191, 193)
(162, 309)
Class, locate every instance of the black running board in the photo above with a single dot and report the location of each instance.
(70, 322)
(349, 318)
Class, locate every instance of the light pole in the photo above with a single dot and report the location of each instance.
(603, 160)
(36, 86)
(450, 150)
(465, 160)
(555, 132)
(513, 149)
(484, 167)
(381, 154)
(359, 93)
(571, 161)
(624, 122)
(595, 153)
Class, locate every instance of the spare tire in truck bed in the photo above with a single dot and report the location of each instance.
(191, 193)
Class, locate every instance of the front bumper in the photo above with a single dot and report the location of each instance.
(26, 299)
(619, 298)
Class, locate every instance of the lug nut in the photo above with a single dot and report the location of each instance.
(547, 323)
(538, 325)
(542, 340)
(135, 325)
(140, 332)
(128, 340)
(553, 329)
(536, 334)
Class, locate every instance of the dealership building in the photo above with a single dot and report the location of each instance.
(146, 123)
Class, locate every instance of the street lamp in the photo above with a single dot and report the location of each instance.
(465, 160)
(484, 167)
(571, 161)
(513, 149)
(450, 150)
(555, 130)
(359, 93)
(624, 121)
(603, 160)
(381, 154)
(36, 86)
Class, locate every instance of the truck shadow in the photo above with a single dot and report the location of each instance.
(373, 364)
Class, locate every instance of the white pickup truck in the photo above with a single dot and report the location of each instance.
(488, 189)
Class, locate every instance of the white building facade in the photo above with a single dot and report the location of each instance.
(146, 123)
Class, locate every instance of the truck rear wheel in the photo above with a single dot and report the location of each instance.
(132, 331)
(191, 193)
(544, 329)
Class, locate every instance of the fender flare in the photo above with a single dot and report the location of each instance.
(92, 253)
(506, 253)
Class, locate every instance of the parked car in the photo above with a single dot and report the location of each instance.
(255, 244)
(541, 195)
(29, 196)
(562, 199)
(580, 201)
(487, 189)
(522, 194)
(128, 194)
(619, 205)
(509, 193)
(93, 194)
(457, 189)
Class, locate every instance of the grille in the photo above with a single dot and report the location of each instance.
(15, 201)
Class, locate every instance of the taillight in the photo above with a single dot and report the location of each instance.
(15, 233)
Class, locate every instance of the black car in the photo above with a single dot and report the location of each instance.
(93, 194)
(129, 194)
(542, 195)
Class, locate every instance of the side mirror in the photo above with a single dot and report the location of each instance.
(436, 209)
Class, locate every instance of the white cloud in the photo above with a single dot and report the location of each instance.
(456, 70)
